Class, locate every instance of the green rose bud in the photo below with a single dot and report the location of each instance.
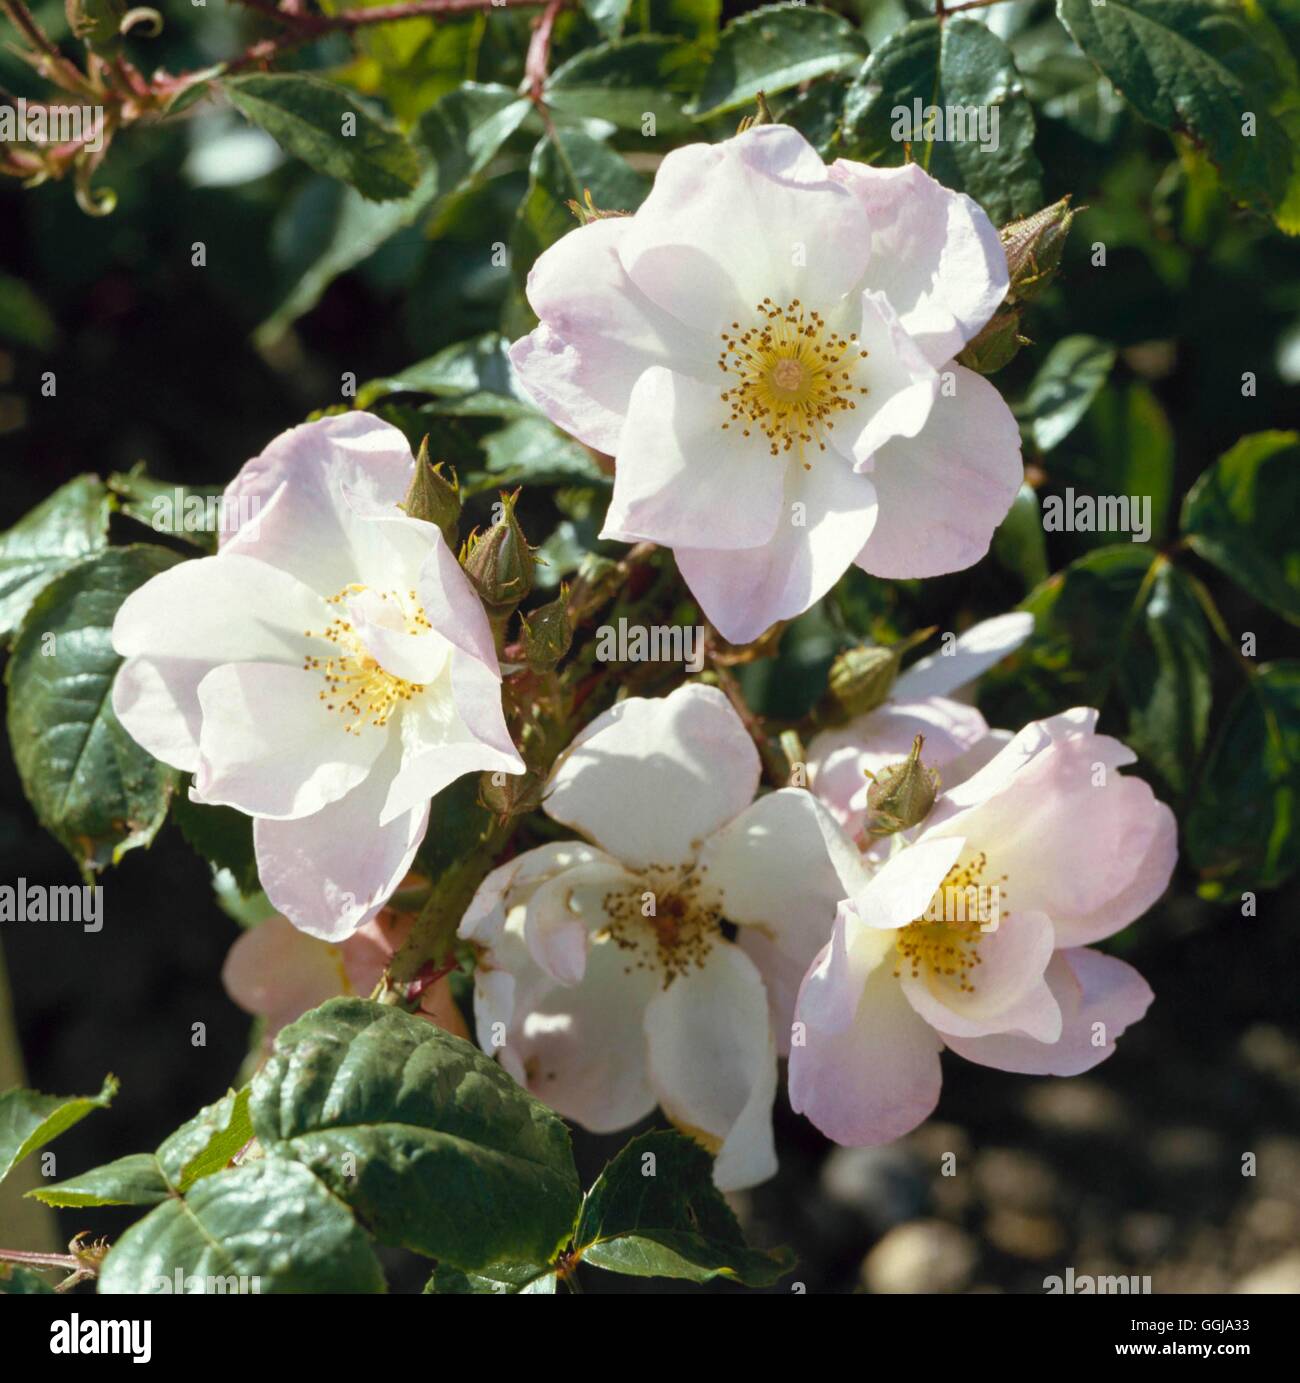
(901, 795)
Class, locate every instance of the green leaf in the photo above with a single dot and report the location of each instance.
(959, 65)
(773, 49)
(430, 1141)
(532, 450)
(654, 1212)
(1190, 66)
(65, 527)
(223, 836)
(29, 1120)
(501, 1279)
(307, 117)
(465, 129)
(270, 1220)
(90, 784)
(608, 16)
(624, 83)
(188, 512)
(472, 378)
(199, 1148)
(24, 318)
(1065, 386)
(564, 170)
(1241, 516)
(22, 1282)
(133, 1180)
(1243, 830)
(1164, 679)
(1019, 543)
(208, 1141)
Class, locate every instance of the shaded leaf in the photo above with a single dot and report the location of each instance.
(655, 1212)
(1190, 66)
(646, 76)
(960, 65)
(65, 527)
(29, 1120)
(1243, 830)
(1241, 516)
(269, 1220)
(503, 1279)
(90, 783)
(773, 49)
(1063, 389)
(430, 1141)
(308, 117)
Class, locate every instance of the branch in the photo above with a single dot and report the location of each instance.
(773, 761)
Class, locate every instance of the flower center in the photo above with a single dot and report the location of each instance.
(669, 924)
(793, 376)
(944, 940)
(357, 686)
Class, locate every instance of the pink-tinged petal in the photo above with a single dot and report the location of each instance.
(970, 761)
(1005, 990)
(564, 911)
(873, 1078)
(278, 973)
(943, 492)
(681, 476)
(270, 746)
(304, 521)
(838, 760)
(456, 726)
(331, 872)
(1154, 824)
(178, 626)
(901, 385)
(781, 868)
(829, 513)
(1068, 829)
(650, 778)
(598, 333)
(220, 610)
(934, 253)
(157, 701)
(712, 1063)
(970, 656)
(583, 1047)
(453, 608)
(727, 225)
(901, 889)
(1099, 998)
(1027, 744)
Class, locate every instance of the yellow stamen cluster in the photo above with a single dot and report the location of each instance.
(680, 933)
(356, 685)
(945, 941)
(794, 376)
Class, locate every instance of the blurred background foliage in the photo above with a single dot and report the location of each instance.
(1170, 334)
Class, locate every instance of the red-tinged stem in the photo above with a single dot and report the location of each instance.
(537, 63)
(62, 70)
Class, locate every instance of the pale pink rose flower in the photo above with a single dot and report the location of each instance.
(766, 349)
(278, 973)
(927, 700)
(1055, 848)
(327, 672)
(607, 982)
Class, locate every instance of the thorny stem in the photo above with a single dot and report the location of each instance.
(538, 62)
